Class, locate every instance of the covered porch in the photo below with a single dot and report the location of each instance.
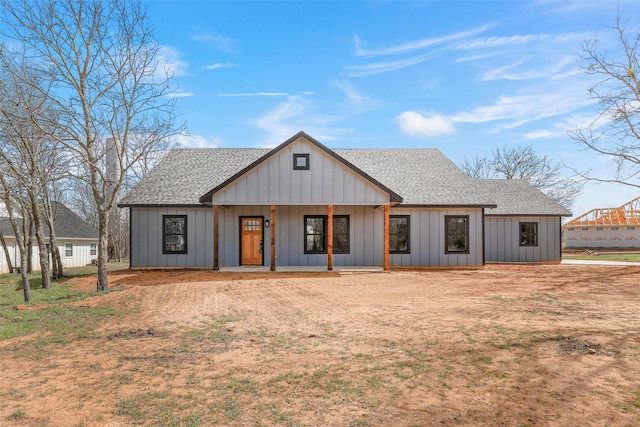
(278, 237)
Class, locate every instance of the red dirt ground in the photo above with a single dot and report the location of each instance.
(505, 345)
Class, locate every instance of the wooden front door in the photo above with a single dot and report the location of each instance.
(251, 250)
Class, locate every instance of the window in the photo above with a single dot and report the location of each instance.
(599, 228)
(585, 229)
(399, 234)
(93, 250)
(68, 249)
(631, 228)
(174, 234)
(341, 234)
(456, 230)
(614, 228)
(300, 162)
(528, 234)
(570, 229)
(315, 234)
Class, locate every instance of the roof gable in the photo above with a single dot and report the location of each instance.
(304, 143)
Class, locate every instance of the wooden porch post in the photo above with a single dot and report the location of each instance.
(385, 265)
(216, 233)
(273, 237)
(330, 237)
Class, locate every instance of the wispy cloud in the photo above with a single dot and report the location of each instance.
(295, 114)
(195, 141)
(215, 40)
(169, 62)
(180, 94)
(530, 67)
(356, 100)
(493, 42)
(250, 94)
(383, 67)
(219, 65)
(560, 129)
(528, 105)
(557, 99)
(417, 44)
(479, 57)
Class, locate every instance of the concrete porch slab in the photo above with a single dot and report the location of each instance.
(314, 269)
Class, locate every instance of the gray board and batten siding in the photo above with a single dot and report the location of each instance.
(427, 238)
(146, 237)
(502, 240)
(276, 182)
(519, 202)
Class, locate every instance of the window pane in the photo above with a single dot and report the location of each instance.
(528, 234)
(175, 234)
(174, 225)
(399, 234)
(315, 225)
(315, 243)
(341, 234)
(340, 244)
(456, 243)
(315, 234)
(340, 225)
(457, 234)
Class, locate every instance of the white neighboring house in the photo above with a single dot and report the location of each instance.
(76, 239)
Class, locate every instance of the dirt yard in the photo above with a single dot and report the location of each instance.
(503, 346)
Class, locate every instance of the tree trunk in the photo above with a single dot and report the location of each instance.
(7, 255)
(54, 261)
(42, 244)
(56, 255)
(26, 234)
(103, 253)
(26, 288)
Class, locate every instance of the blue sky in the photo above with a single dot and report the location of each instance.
(462, 76)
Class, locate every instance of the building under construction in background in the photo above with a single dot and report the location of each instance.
(605, 228)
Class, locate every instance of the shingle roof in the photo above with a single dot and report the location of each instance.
(423, 177)
(185, 174)
(67, 224)
(420, 176)
(518, 197)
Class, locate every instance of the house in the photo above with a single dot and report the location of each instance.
(303, 204)
(612, 228)
(76, 240)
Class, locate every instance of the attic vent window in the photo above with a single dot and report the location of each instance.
(301, 162)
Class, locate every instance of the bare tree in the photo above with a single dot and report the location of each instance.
(108, 83)
(524, 163)
(26, 149)
(5, 195)
(615, 132)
